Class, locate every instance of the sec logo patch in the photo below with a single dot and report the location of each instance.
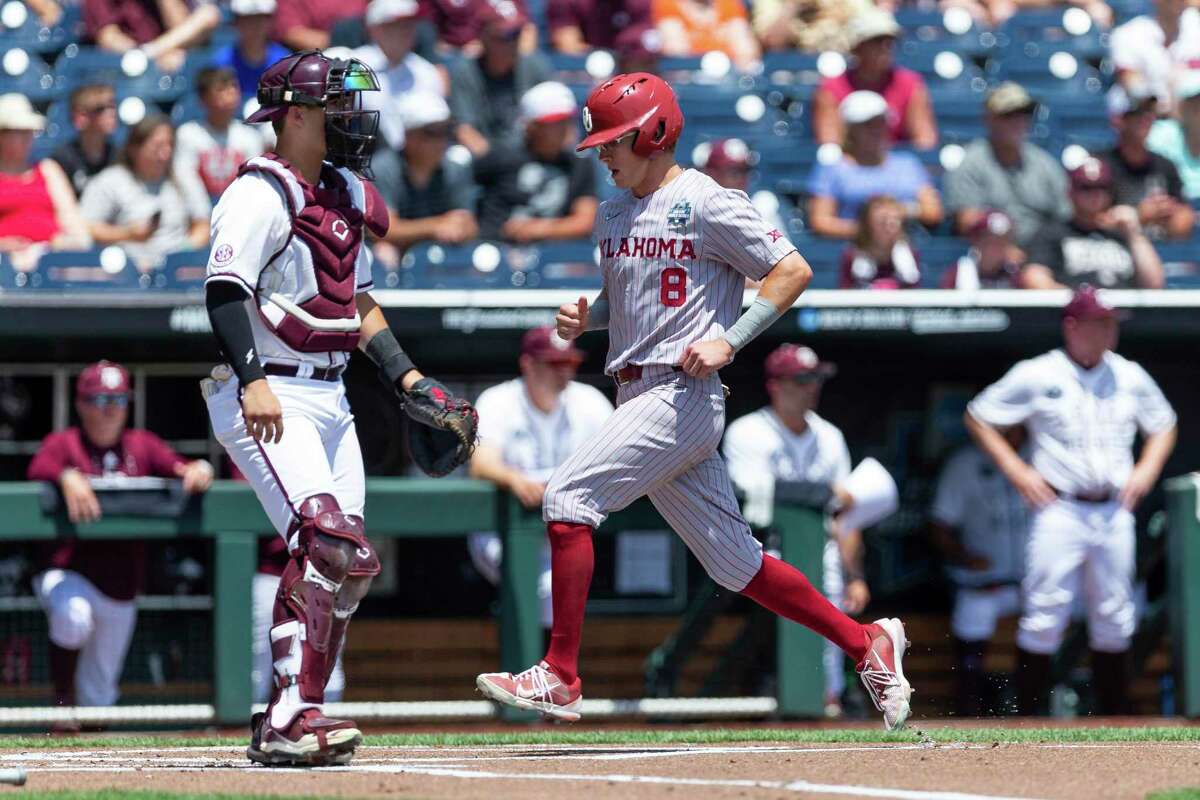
(223, 255)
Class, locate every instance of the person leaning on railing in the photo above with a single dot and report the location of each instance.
(88, 587)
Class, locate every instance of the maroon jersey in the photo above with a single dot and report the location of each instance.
(118, 567)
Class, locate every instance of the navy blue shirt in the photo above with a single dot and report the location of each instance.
(247, 74)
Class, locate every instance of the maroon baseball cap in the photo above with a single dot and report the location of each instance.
(501, 17)
(1088, 303)
(1093, 173)
(728, 153)
(103, 377)
(795, 361)
(993, 223)
(544, 344)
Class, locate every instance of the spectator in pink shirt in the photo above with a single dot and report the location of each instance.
(88, 588)
(873, 67)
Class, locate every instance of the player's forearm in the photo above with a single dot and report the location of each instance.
(104, 234)
(850, 546)
(487, 465)
(994, 445)
(193, 28)
(111, 38)
(1156, 450)
(405, 232)
(231, 325)
(378, 343)
(779, 291)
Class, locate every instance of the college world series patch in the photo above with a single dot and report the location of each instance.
(679, 215)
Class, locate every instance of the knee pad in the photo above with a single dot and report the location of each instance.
(364, 566)
(72, 624)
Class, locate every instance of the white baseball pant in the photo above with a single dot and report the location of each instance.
(976, 611)
(318, 454)
(1079, 547)
(262, 672)
(834, 586)
(83, 618)
(662, 442)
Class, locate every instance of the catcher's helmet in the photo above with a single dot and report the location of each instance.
(310, 78)
(637, 101)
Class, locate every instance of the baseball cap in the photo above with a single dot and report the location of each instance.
(1121, 100)
(502, 18)
(249, 8)
(794, 361)
(103, 377)
(422, 108)
(17, 114)
(1009, 98)
(862, 106)
(728, 153)
(994, 223)
(544, 344)
(1089, 303)
(381, 12)
(1093, 173)
(1189, 85)
(548, 101)
(871, 24)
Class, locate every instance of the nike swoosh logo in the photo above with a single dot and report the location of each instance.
(612, 216)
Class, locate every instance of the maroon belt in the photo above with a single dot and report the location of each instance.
(632, 373)
(330, 374)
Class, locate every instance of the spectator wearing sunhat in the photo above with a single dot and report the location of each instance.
(1142, 178)
(253, 51)
(730, 163)
(1102, 244)
(428, 189)
(486, 90)
(392, 28)
(1007, 172)
(872, 40)
(1179, 139)
(989, 263)
(538, 189)
(866, 167)
(38, 210)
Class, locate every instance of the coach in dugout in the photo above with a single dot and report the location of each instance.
(87, 587)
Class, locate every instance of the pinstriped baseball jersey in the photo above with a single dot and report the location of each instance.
(675, 263)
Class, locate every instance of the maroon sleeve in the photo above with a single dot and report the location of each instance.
(375, 216)
(51, 459)
(845, 276)
(97, 14)
(161, 459)
(949, 277)
(560, 14)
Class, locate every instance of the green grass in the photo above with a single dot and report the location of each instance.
(1175, 794)
(938, 734)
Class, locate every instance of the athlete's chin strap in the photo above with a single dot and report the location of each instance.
(329, 572)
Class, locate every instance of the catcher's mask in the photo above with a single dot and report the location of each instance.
(310, 78)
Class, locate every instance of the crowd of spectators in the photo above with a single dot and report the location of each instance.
(493, 155)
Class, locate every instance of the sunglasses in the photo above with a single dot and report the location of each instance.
(96, 111)
(106, 400)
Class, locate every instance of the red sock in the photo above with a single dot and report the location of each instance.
(783, 589)
(571, 562)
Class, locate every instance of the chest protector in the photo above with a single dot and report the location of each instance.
(328, 222)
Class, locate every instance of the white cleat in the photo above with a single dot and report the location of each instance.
(882, 672)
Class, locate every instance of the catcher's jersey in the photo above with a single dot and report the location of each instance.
(675, 263)
(1082, 422)
(530, 440)
(250, 224)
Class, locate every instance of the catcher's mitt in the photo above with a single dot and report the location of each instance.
(445, 437)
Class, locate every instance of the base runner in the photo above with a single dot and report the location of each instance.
(675, 250)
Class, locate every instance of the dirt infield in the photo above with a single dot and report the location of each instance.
(929, 770)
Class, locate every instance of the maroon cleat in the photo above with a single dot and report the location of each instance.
(310, 740)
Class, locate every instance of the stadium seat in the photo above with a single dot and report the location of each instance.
(1067, 29)
(24, 72)
(82, 271)
(1045, 71)
(183, 271)
(435, 266)
(1181, 262)
(565, 265)
(44, 40)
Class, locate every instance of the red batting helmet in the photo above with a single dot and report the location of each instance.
(636, 102)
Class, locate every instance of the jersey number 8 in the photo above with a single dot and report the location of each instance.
(673, 291)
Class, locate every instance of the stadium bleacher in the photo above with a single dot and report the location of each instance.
(1058, 53)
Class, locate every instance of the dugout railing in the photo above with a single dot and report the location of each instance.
(231, 517)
